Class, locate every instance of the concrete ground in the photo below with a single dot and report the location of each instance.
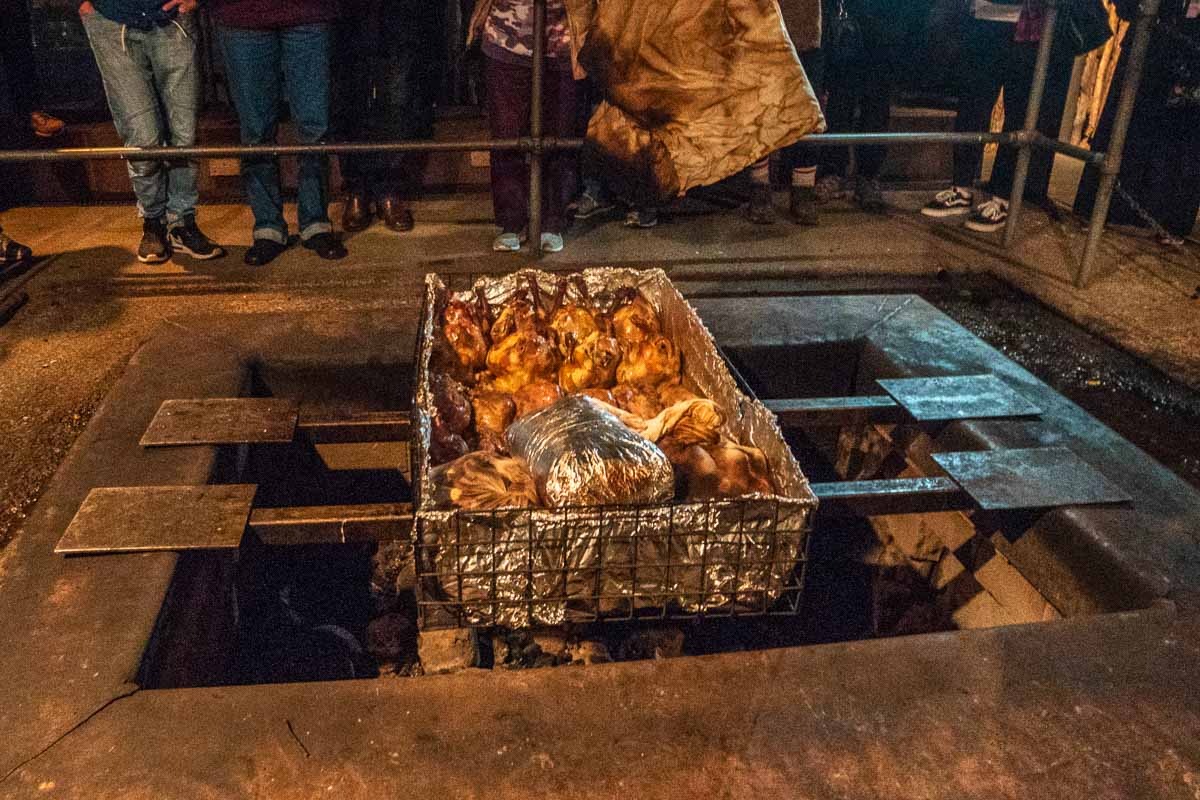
(91, 304)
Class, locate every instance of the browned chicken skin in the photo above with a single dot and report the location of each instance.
(574, 321)
(654, 361)
(523, 349)
(593, 364)
(636, 400)
(535, 396)
(634, 320)
(494, 412)
(465, 332)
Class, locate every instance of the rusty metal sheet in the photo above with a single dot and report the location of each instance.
(895, 496)
(142, 519)
(954, 397)
(382, 522)
(223, 420)
(1044, 477)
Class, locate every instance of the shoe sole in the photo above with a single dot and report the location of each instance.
(594, 212)
(154, 259)
(938, 213)
(180, 247)
(981, 227)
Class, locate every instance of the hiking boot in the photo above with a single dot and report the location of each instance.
(186, 237)
(154, 247)
(869, 195)
(802, 206)
(760, 211)
(46, 126)
(356, 213)
(989, 217)
(949, 203)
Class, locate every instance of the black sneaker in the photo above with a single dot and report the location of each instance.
(154, 248)
(869, 195)
(949, 203)
(12, 252)
(263, 252)
(326, 245)
(989, 217)
(185, 237)
(641, 218)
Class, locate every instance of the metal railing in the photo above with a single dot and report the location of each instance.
(536, 145)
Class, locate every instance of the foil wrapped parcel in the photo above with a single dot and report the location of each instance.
(581, 562)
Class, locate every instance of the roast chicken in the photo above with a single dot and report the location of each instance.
(573, 322)
(523, 349)
(593, 364)
(535, 396)
(634, 320)
(494, 412)
(653, 361)
(465, 331)
(637, 400)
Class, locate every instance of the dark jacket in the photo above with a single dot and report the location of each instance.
(141, 14)
(272, 14)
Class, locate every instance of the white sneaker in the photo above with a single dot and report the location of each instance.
(507, 242)
(989, 217)
(948, 203)
(552, 242)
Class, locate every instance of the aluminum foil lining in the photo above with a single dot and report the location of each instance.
(546, 566)
(581, 455)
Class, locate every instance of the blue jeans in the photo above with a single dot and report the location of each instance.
(152, 81)
(264, 66)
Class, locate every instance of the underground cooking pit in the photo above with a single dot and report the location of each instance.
(266, 613)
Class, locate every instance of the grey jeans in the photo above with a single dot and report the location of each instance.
(152, 80)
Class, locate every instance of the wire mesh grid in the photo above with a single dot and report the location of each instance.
(529, 567)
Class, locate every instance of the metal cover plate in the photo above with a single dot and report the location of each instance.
(1044, 477)
(232, 420)
(957, 397)
(144, 519)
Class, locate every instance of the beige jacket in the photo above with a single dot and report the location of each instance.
(695, 90)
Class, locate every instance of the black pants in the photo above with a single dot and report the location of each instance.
(1161, 165)
(386, 71)
(860, 100)
(993, 61)
(16, 56)
(797, 155)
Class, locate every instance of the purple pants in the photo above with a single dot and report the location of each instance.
(508, 95)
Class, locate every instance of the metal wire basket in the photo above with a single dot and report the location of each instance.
(547, 566)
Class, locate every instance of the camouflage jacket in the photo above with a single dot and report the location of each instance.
(508, 26)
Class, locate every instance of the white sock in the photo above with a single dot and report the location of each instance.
(760, 172)
(805, 177)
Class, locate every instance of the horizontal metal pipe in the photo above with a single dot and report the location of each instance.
(524, 144)
(1080, 153)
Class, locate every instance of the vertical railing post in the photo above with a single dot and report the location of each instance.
(1041, 67)
(1142, 28)
(535, 126)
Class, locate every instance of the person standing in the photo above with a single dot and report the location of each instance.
(385, 80)
(1160, 169)
(505, 28)
(1001, 56)
(146, 51)
(273, 49)
(803, 21)
(16, 54)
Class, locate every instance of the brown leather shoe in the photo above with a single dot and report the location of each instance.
(394, 214)
(356, 216)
